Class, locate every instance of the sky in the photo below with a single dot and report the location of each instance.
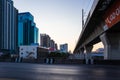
(60, 19)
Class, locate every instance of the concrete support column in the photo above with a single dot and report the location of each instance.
(88, 49)
(88, 54)
(77, 56)
(111, 42)
(82, 53)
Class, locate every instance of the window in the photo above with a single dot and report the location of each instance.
(20, 18)
(21, 48)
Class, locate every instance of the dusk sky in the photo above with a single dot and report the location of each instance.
(60, 19)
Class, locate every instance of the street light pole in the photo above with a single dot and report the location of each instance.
(82, 18)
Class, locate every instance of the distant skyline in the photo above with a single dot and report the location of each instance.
(61, 19)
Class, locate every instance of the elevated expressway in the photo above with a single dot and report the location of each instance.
(102, 24)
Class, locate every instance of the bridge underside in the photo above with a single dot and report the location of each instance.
(103, 24)
(111, 42)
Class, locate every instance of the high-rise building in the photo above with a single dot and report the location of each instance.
(64, 48)
(27, 30)
(56, 46)
(52, 43)
(8, 26)
(44, 40)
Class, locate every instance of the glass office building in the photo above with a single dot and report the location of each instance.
(27, 30)
(64, 48)
(8, 26)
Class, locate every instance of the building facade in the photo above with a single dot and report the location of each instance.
(33, 53)
(8, 26)
(56, 46)
(27, 30)
(45, 40)
(28, 52)
(52, 43)
(64, 48)
(36, 32)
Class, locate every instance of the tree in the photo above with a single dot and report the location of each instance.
(58, 55)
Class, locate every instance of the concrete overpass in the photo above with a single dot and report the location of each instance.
(102, 24)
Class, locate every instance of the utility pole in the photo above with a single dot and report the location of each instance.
(82, 18)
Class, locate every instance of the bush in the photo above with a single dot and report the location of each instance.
(58, 55)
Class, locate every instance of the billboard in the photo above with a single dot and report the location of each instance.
(112, 15)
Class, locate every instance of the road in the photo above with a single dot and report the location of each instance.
(26, 71)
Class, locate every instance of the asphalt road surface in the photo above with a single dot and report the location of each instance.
(26, 71)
